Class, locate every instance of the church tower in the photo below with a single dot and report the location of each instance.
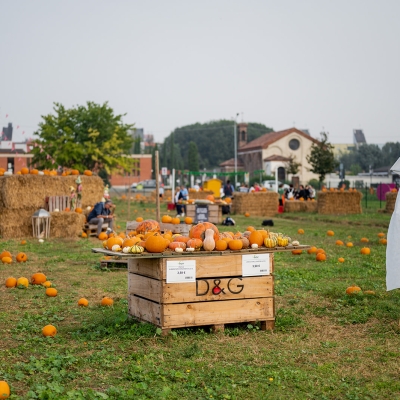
(242, 134)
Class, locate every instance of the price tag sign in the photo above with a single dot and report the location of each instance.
(181, 271)
(255, 264)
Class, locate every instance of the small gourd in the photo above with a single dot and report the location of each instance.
(136, 249)
(126, 249)
(254, 246)
(178, 249)
(190, 249)
(116, 247)
(209, 242)
(295, 243)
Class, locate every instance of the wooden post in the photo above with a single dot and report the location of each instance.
(129, 197)
(157, 175)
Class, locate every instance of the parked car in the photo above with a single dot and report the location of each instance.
(147, 185)
(270, 185)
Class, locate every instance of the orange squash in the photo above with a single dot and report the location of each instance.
(155, 244)
(365, 250)
(247, 214)
(174, 245)
(49, 330)
(83, 302)
(139, 219)
(107, 301)
(383, 241)
(353, 290)
(381, 235)
(195, 243)
(300, 231)
(339, 243)
(341, 259)
(103, 236)
(364, 240)
(188, 220)
(148, 225)
(256, 237)
(235, 244)
(38, 278)
(74, 172)
(87, 172)
(4, 390)
(221, 245)
(6, 260)
(183, 239)
(175, 221)
(297, 252)
(21, 257)
(5, 253)
(321, 257)
(166, 219)
(312, 250)
(198, 231)
(24, 171)
(51, 292)
(330, 233)
(11, 283)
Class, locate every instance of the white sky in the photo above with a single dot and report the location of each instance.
(315, 64)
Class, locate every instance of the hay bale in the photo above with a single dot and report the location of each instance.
(66, 224)
(264, 204)
(340, 203)
(22, 195)
(300, 206)
(200, 195)
(22, 191)
(391, 198)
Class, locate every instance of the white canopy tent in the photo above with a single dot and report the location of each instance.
(393, 243)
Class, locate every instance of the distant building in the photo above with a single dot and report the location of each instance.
(7, 133)
(358, 137)
(342, 148)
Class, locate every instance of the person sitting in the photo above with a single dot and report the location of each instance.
(289, 193)
(301, 193)
(102, 213)
(257, 187)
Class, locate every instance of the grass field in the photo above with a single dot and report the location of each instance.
(326, 344)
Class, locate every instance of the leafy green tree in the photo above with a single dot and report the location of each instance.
(193, 157)
(83, 137)
(369, 155)
(321, 157)
(292, 167)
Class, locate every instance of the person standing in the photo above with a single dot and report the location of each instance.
(228, 189)
(102, 213)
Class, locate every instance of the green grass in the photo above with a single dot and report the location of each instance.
(326, 344)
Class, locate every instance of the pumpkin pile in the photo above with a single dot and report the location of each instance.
(204, 236)
(7, 258)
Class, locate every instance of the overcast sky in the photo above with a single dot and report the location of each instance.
(314, 64)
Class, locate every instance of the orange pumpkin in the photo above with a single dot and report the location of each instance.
(341, 259)
(38, 278)
(365, 250)
(174, 245)
(5, 253)
(23, 242)
(235, 244)
(11, 282)
(24, 171)
(166, 219)
(4, 390)
(297, 252)
(221, 245)
(83, 302)
(300, 231)
(182, 239)
(250, 228)
(74, 172)
(87, 173)
(51, 292)
(364, 240)
(107, 301)
(103, 236)
(34, 171)
(198, 231)
(155, 244)
(312, 250)
(349, 244)
(339, 243)
(256, 238)
(139, 219)
(49, 330)
(383, 241)
(330, 233)
(195, 243)
(84, 235)
(21, 257)
(210, 197)
(148, 225)
(78, 210)
(381, 235)
(247, 214)
(175, 221)
(129, 242)
(66, 209)
(113, 241)
(188, 220)
(353, 290)
(6, 260)
(321, 257)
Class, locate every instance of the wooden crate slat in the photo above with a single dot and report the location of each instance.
(232, 288)
(145, 310)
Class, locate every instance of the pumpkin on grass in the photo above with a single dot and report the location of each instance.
(349, 244)
(339, 243)
(300, 231)
(365, 250)
(330, 233)
(22, 282)
(312, 250)
(247, 214)
(21, 257)
(4, 390)
(297, 252)
(5, 253)
(46, 284)
(107, 301)
(51, 292)
(49, 331)
(11, 283)
(83, 302)
(38, 278)
(23, 242)
(364, 240)
(383, 241)
(381, 235)
(321, 257)
(6, 260)
(341, 259)
(353, 289)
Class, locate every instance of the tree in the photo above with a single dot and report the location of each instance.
(292, 167)
(321, 157)
(83, 137)
(193, 157)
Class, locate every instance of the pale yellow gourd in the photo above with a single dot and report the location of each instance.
(209, 242)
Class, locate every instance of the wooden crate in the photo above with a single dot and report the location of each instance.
(214, 212)
(183, 229)
(57, 203)
(91, 229)
(176, 305)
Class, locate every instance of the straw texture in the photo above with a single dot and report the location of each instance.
(264, 204)
(391, 198)
(66, 224)
(339, 203)
(300, 206)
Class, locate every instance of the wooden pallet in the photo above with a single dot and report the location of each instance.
(188, 304)
(108, 264)
(91, 229)
(57, 203)
(214, 212)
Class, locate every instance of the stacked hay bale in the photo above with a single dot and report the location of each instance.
(340, 203)
(22, 195)
(391, 198)
(66, 224)
(257, 203)
(300, 206)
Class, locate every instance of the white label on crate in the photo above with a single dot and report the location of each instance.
(255, 264)
(181, 271)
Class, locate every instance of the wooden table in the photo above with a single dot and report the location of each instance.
(219, 294)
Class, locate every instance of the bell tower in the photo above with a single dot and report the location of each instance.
(242, 134)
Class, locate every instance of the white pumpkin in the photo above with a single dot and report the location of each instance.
(126, 250)
(116, 247)
(295, 243)
(56, 210)
(40, 173)
(254, 246)
(189, 248)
